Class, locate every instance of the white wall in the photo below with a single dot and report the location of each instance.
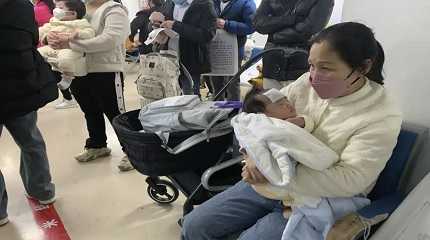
(132, 6)
(403, 29)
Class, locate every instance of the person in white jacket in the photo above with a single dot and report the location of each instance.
(68, 20)
(354, 116)
(101, 91)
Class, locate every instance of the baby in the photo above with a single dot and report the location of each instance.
(273, 104)
(277, 139)
(68, 19)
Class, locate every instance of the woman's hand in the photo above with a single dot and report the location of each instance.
(250, 173)
(58, 40)
(156, 18)
(220, 23)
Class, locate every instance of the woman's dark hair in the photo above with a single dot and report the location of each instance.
(75, 5)
(50, 4)
(355, 43)
(251, 102)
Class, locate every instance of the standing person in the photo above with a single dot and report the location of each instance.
(289, 24)
(43, 11)
(353, 115)
(195, 23)
(139, 26)
(101, 91)
(234, 16)
(27, 84)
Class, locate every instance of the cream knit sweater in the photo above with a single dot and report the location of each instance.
(362, 128)
(106, 51)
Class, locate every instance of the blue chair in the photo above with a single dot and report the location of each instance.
(390, 188)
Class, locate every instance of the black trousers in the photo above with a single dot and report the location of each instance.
(96, 95)
(66, 92)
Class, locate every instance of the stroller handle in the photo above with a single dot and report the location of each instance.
(254, 60)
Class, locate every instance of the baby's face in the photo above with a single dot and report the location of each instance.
(281, 109)
(69, 15)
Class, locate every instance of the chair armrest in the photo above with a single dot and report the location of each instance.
(211, 171)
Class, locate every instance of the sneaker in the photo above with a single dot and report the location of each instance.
(43, 202)
(67, 104)
(125, 165)
(4, 221)
(93, 153)
(47, 202)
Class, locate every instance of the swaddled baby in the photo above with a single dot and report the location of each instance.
(277, 139)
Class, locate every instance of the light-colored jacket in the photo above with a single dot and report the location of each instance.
(106, 51)
(82, 26)
(362, 128)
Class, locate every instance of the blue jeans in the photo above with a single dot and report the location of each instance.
(186, 87)
(34, 168)
(239, 209)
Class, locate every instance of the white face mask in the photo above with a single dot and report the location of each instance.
(59, 13)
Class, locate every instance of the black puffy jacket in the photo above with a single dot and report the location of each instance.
(292, 22)
(26, 80)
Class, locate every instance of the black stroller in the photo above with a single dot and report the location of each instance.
(199, 172)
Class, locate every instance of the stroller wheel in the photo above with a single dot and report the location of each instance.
(163, 192)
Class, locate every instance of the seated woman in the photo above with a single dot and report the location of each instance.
(343, 93)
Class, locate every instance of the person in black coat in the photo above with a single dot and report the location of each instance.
(289, 24)
(195, 22)
(27, 84)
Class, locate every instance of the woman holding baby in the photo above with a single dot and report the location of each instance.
(353, 115)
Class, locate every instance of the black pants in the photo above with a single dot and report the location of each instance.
(97, 96)
(66, 92)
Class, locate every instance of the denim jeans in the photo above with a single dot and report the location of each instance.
(239, 209)
(34, 168)
(188, 87)
(232, 92)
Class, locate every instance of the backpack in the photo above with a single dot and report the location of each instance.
(159, 74)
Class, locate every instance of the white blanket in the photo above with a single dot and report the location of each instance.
(275, 144)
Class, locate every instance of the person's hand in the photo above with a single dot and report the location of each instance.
(251, 174)
(156, 18)
(63, 40)
(167, 24)
(58, 40)
(299, 121)
(220, 23)
(51, 38)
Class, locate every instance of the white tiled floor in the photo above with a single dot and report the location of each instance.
(95, 200)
